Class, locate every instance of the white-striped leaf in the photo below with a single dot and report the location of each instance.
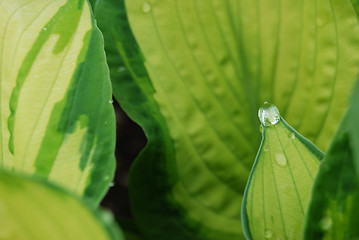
(56, 114)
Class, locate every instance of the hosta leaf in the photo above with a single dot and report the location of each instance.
(279, 187)
(333, 211)
(199, 72)
(33, 209)
(57, 119)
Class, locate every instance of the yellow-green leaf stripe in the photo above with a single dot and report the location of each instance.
(57, 119)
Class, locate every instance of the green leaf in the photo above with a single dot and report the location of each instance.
(199, 71)
(34, 209)
(333, 211)
(279, 187)
(57, 119)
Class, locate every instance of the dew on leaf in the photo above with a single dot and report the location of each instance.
(111, 184)
(268, 233)
(281, 159)
(325, 223)
(146, 7)
(110, 101)
(268, 114)
(291, 136)
(121, 69)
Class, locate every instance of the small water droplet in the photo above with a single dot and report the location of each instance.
(281, 159)
(44, 28)
(291, 136)
(111, 184)
(121, 69)
(266, 149)
(146, 7)
(268, 233)
(261, 128)
(268, 114)
(326, 223)
(111, 101)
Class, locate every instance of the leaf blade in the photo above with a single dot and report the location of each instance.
(58, 214)
(182, 85)
(332, 212)
(65, 131)
(278, 190)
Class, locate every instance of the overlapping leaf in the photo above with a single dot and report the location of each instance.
(333, 212)
(57, 119)
(32, 209)
(198, 75)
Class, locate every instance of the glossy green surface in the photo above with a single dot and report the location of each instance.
(194, 73)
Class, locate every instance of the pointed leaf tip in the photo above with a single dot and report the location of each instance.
(279, 186)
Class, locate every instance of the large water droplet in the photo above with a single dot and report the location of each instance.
(326, 223)
(268, 114)
(268, 233)
(281, 159)
(146, 7)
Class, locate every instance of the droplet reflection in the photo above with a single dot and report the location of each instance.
(268, 114)
(281, 159)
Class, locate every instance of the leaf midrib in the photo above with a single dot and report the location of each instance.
(238, 128)
(180, 77)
